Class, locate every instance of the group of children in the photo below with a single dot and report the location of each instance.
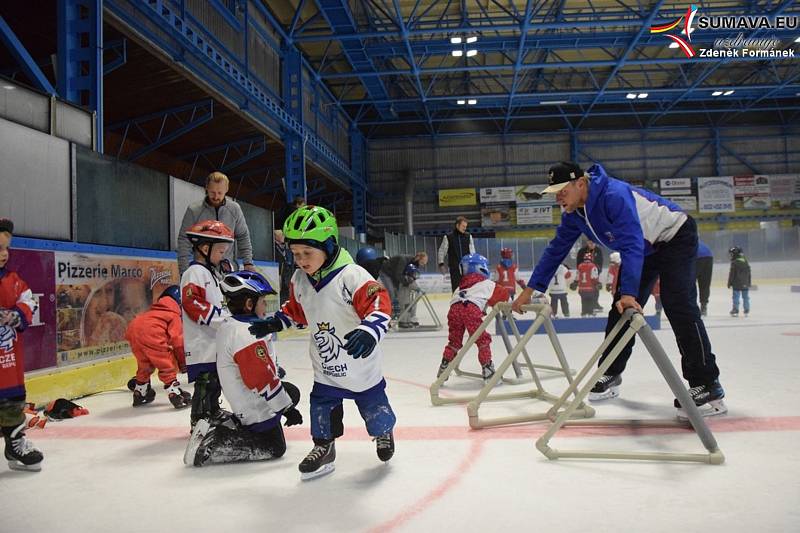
(216, 328)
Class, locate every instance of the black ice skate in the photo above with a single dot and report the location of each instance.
(606, 387)
(178, 397)
(319, 461)
(142, 394)
(20, 453)
(734, 312)
(707, 398)
(384, 445)
(487, 371)
(201, 427)
(442, 367)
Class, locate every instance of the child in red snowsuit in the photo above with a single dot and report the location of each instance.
(475, 292)
(156, 339)
(17, 306)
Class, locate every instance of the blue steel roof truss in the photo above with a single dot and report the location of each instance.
(531, 55)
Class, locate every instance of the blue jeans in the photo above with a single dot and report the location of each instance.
(745, 293)
(679, 299)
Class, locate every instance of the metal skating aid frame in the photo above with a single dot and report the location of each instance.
(504, 309)
(640, 327)
(421, 296)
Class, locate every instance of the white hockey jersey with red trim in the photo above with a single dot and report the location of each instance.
(349, 299)
(482, 293)
(248, 373)
(203, 313)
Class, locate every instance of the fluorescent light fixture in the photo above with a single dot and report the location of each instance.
(553, 102)
(727, 93)
(642, 95)
(461, 102)
(797, 40)
(472, 39)
(455, 40)
(673, 45)
(716, 93)
(472, 52)
(630, 96)
(472, 101)
(457, 53)
(9, 87)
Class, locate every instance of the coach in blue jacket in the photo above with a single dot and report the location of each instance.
(655, 238)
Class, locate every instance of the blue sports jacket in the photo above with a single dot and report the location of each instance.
(627, 219)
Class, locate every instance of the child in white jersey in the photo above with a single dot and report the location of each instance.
(203, 312)
(251, 383)
(348, 313)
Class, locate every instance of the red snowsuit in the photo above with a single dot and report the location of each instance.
(473, 295)
(156, 339)
(15, 296)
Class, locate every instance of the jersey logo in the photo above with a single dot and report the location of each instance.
(7, 338)
(261, 353)
(373, 288)
(328, 343)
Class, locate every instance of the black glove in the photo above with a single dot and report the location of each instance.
(262, 328)
(293, 417)
(281, 372)
(573, 285)
(359, 343)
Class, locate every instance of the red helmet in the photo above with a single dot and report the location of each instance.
(210, 231)
(506, 253)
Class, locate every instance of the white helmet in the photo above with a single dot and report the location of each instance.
(614, 257)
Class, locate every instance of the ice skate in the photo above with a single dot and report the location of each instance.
(20, 453)
(384, 445)
(707, 398)
(442, 368)
(607, 387)
(201, 427)
(142, 394)
(319, 461)
(487, 371)
(178, 397)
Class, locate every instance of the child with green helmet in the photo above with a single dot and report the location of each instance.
(348, 313)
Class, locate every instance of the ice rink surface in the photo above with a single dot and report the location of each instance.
(120, 469)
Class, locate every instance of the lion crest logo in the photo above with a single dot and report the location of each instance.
(261, 352)
(328, 344)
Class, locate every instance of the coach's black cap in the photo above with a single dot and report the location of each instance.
(561, 174)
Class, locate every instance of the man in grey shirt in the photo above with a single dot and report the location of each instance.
(215, 206)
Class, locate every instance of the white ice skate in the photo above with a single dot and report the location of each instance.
(200, 429)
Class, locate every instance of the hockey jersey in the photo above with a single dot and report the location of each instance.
(249, 375)
(587, 277)
(16, 297)
(613, 277)
(507, 277)
(345, 298)
(480, 291)
(558, 285)
(203, 313)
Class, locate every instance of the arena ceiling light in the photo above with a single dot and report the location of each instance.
(640, 96)
(461, 102)
(457, 53)
(471, 39)
(727, 93)
(716, 93)
(472, 52)
(472, 101)
(631, 96)
(553, 102)
(455, 40)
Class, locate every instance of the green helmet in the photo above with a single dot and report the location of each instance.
(311, 223)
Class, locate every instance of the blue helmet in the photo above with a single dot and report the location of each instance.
(246, 283)
(174, 292)
(475, 263)
(411, 271)
(366, 254)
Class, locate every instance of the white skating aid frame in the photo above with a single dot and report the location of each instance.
(421, 296)
(542, 319)
(579, 393)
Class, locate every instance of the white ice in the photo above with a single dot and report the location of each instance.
(119, 469)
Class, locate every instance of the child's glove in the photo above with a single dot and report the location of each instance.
(359, 343)
(262, 328)
(293, 417)
(573, 285)
(608, 287)
(62, 408)
(10, 318)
